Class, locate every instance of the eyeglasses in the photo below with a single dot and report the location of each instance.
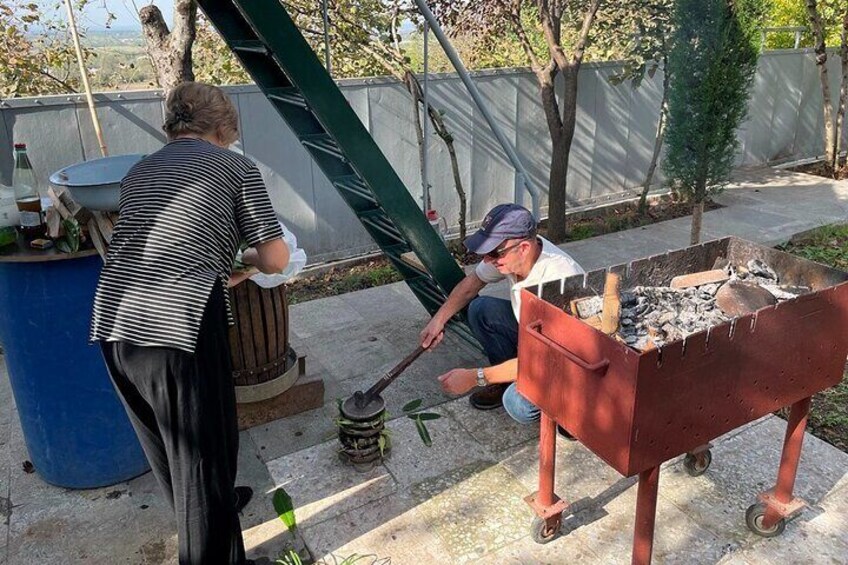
(496, 254)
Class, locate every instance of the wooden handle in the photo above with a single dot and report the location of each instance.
(612, 305)
(387, 379)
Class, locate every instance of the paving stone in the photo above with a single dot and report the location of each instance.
(123, 523)
(352, 352)
(253, 472)
(475, 510)
(579, 474)
(494, 429)
(818, 536)
(389, 528)
(526, 552)
(309, 318)
(608, 532)
(281, 437)
(412, 462)
(742, 467)
(379, 306)
(322, 487)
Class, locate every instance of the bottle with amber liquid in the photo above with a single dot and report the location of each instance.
(32, 224)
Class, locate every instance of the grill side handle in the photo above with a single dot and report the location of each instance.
(535, 329)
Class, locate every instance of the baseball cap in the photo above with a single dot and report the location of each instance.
(504, 221)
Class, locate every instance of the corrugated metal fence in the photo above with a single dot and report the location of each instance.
(611, 150)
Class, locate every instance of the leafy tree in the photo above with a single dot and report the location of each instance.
(646, 52)
(213, 61)
(36, 54)
(713, 58)
(833, 125)
(558, 20)
(793, 13)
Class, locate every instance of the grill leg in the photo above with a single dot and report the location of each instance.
(547, 460)
(547, 505)
(788, 463)
(646, 514)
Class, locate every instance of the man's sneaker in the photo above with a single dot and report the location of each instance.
(488, 398)
(243, 496)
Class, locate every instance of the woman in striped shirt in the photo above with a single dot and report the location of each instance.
(161, 311)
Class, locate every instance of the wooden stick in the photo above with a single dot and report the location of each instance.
(58, 204)
(612, 305)
(97, 238)
(104, 224)
(84, 75)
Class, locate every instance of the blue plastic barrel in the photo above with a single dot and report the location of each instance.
(76, 430)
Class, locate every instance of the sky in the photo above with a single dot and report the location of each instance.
(95, 15)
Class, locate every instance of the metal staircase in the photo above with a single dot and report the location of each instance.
(272, 50)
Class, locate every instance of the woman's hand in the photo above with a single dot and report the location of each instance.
(239, 277)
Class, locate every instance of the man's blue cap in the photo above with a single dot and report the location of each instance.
(504, 221)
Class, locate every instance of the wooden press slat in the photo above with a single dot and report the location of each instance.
(281, 311)
(259, 337)
(270, 321)
(235, 330)
(246, 328)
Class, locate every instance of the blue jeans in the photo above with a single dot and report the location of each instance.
(494, 325)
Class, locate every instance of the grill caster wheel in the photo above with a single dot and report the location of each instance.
(541, 533)
(697, 468)
(754, 519)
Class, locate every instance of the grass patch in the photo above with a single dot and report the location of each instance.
(827, 245)
(829, 414)
(377, 272)
(625, 216)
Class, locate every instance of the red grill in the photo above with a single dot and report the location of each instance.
(636, 410)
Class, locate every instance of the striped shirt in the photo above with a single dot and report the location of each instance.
(183, 212)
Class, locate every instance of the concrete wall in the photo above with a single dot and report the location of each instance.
(612, 145)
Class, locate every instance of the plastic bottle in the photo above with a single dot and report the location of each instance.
(439, 224)
(26, 196)
(9, 217)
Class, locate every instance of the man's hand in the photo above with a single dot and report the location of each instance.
(432, 334)
(458, 381)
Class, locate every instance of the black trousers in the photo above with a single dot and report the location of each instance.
(183, 409)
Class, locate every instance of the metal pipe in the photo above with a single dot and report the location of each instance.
(326, 37)
(478, 100)
(788, 470)
(425, 181)
(547, 461)
(646, 516)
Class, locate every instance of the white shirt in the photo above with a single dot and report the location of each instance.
(553, 264)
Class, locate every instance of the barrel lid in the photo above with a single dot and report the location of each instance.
(106, 170)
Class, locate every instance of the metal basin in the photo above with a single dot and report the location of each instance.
(96, 184)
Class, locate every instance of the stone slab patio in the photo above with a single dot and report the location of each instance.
(460, 501)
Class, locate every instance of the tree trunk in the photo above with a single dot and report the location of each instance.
(457, 182)
(843, 96)
(412, 88)
(697, 217)
(170, 50)
(821, 62)
(658, 143)
(560, 151)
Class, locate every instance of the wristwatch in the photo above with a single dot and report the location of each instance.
(481, 378)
